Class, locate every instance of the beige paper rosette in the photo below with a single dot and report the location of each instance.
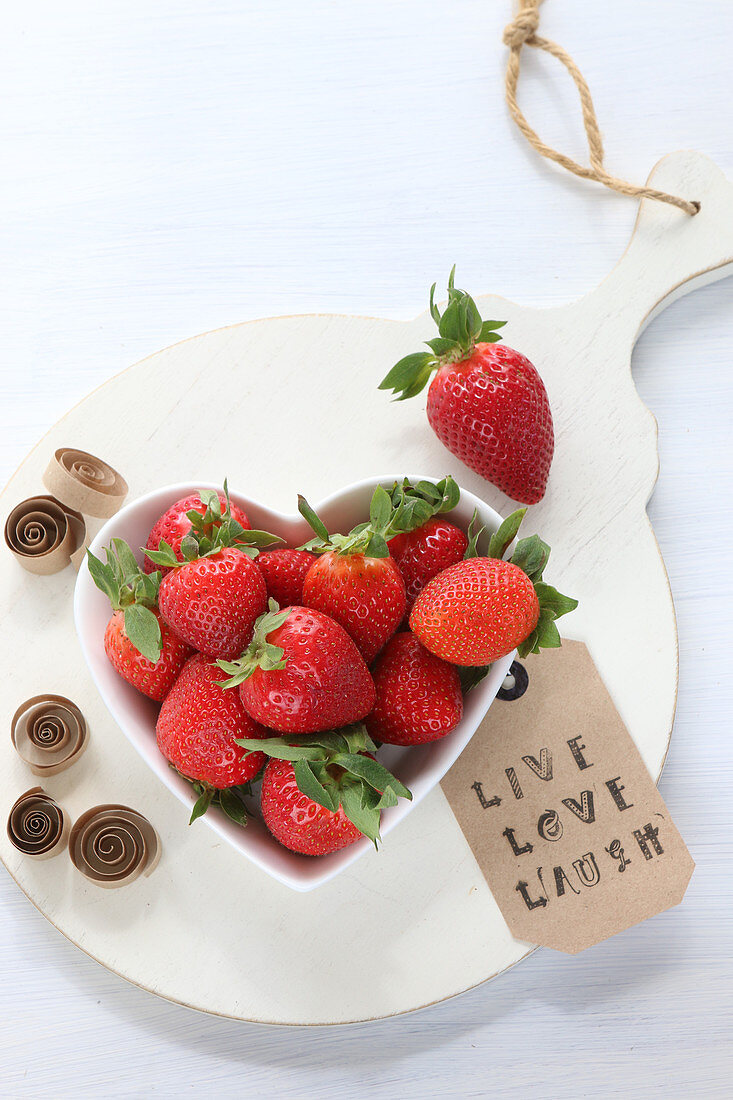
(114, 845)
(49, 733)
(85, 483)
(37, 826)
(44, 535)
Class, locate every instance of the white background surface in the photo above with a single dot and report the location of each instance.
(172, 168)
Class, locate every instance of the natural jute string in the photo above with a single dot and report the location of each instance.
(522, 32)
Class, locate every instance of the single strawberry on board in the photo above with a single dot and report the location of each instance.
(214, 591)
(141, 647)
(176, 522)
(321, 793)
(284, 570)
(432, 546)
(419, 695)
(198, 729)
(483, 607)
(302, 673)
(487, 404)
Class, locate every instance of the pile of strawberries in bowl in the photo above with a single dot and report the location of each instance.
(283, 671)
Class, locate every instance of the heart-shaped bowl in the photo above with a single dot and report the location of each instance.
(420, 768)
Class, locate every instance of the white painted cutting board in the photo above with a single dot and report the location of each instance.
(290, 404)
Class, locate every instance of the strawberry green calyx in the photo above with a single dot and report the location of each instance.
(460, 328)
(132, 592)
(331, 770)
(210, 533)
(260, 653)
(228, 799)
(416, 504)
(474, 532)
(395, 512)
(531, 556)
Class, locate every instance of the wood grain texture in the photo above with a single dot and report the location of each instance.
(317, 186)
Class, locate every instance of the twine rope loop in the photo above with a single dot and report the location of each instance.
(521, 32)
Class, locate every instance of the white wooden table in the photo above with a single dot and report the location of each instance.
(174, 168)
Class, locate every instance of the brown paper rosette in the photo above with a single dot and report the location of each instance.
(44, 534)
(85, 483)
(49, 733)
(37, 826)
(114, 845)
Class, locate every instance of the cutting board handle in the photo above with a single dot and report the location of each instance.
(671, 252)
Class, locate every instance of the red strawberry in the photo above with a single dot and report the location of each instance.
(476, 611)
(212, 602)
(198, 724)
(139, 645)
(152, 678)
(423, 553)
(175, 523)
(418, 695)
(355, 581)
(213, 591)
(296, 820)
(284, 571)
(481, 609)
(302, 673)
(486, 404)
(366, 595)
(321, 793)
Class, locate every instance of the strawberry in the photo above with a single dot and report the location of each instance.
(354, 580)
(321, 793)
(482, 608)
(298, 822)
(302, 673)
(142, 648)
(153, 678)
(175, 523)
(284, 571)
(213, 601)
(213, 592)
(418, 695)
(197, 731)
(487, 404)
(365, 594)
(424, 544)
(428, 550)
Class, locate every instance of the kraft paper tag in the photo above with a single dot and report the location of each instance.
(558, 807)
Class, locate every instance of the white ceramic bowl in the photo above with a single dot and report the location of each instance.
(420, 768)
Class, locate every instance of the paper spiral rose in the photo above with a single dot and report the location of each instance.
(44, 534)
(113, 845)
(85, 482)
(37, 826)
(49, 733)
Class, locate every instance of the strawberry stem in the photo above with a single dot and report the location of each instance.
(460, 327)
(259, 653)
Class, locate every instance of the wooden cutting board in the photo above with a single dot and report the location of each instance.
(290, 404)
